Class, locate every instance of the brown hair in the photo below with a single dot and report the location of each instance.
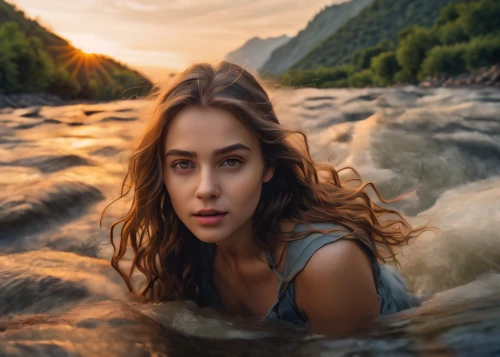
(167, 253)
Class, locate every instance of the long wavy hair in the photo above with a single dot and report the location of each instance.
(301, 191)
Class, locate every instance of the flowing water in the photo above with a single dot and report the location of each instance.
(60, 166)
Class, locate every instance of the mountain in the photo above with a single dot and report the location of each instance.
(382, 19)
(10, 12)
(320, 27)
(56, 66)
(255, 52)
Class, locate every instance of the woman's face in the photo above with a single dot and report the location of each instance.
(198, 177)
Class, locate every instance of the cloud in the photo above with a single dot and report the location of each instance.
(140, 6)
(158, 58)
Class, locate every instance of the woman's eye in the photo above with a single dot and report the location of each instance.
(232, 161)
(185, 165)
(182, 165)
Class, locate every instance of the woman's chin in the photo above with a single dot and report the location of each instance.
(206, 238)
(210, 234)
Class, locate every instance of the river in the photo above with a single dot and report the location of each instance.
(60, 166)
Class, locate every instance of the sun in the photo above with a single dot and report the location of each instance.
(92, 44)
(90, 48)
(74, 60)
(85, 52)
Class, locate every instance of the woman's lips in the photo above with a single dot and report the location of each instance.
(211, 220)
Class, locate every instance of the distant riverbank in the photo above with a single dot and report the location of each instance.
(28, 100)
(40, 99)
(485, 77)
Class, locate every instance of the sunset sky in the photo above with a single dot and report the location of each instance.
(154, 35)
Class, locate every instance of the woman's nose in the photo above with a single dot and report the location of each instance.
(207, 185)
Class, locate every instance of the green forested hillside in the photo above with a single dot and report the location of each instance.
(320, 27)
(464, 39)
(382, 19)
(35, 60)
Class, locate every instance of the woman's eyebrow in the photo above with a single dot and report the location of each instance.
(217, 152)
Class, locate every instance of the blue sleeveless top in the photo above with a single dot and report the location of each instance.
(393, 294)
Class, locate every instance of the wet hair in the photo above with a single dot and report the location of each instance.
(301, 191)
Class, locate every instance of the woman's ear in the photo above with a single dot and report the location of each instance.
(268, 173)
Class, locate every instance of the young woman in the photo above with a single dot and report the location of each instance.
(229, 211)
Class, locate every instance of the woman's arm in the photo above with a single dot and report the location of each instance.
(336, 289)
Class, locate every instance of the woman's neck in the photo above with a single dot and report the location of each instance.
(242, 247)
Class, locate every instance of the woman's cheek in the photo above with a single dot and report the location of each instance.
(249, 191)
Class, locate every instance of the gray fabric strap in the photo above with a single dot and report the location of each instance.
(299, 252)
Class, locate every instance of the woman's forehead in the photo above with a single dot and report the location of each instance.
(207, 128)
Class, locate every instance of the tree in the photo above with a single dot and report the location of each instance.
(63, 84)
(482, 51)
(482, 18)
(444, 60)
(24, 65)
(384, 67)
(451, 33)
(361, 79)
(361, 59)
(413, 49)
(448, 14)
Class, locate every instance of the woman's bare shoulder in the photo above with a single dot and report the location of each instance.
(337, 287)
